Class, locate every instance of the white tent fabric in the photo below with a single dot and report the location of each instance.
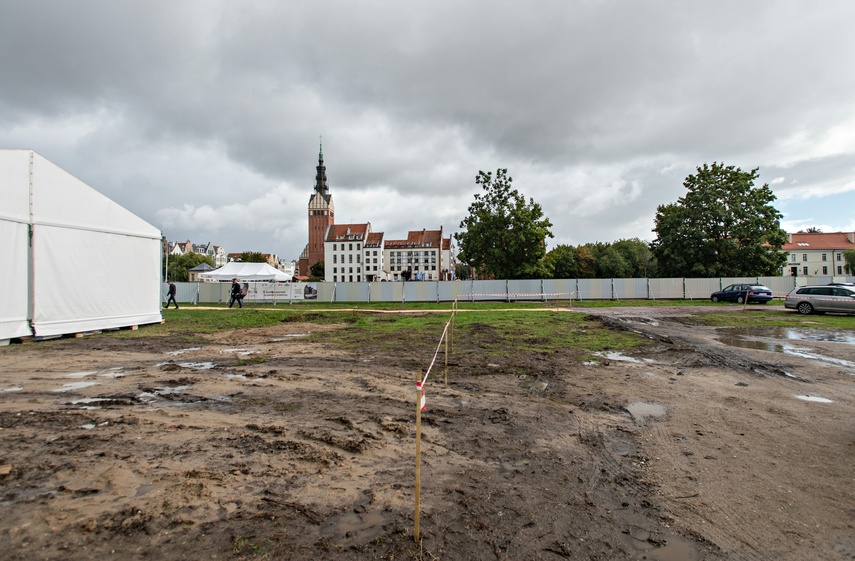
(14, 244)
(90, 264)
(245, 272)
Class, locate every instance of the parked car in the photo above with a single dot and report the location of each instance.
(809, 299)
(841, 284)
(739, 292)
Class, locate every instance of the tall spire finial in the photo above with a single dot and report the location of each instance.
(321, 152)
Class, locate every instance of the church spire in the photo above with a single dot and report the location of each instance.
(321, 186)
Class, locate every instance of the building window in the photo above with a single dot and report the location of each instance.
(804, 256)
(335, 269)
(804, 270)
(839, 270)
(840, 257)
(824, 257)
(334, 259)
(825, 270)
(351, 278)
(358, 258)
(350, 258)
(333, 247)
(351, 247)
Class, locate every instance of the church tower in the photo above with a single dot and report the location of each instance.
(321, 216)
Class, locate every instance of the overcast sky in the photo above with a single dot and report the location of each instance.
(204, 117)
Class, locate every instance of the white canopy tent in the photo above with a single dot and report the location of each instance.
(245, 272)
(73, 259)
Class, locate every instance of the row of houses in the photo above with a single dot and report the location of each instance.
(354, 253)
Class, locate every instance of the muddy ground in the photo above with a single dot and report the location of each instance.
(691, 449)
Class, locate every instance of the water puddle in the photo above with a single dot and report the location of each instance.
(814, 398)
(620, 357)
(642, 412)
(670, 548)
(534, 385)
(197, 365)
(242, 352)
(287, 336)
(778, 340)
(355, 527)
(80, 374)
(182, 351)
(75, 386)
(12, 389)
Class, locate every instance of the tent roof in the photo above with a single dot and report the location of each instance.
(246, 272)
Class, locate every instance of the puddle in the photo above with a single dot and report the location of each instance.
(12, 389)
(620, 357)
(197, 365)
(80, 374)
(778, 340)
(286, 337)
(88, 400)
(113, 373)
(182, 351)
(235, 376)
(75, 386)
(642, 412)
(517, 466)
(354, 528)
(671, 548)
(814, 398)
(534, 385)
(143, 490)
(793, 334)
(242, 352)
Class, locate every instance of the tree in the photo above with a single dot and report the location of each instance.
(179, 265)
(462, 271)
(504, 236)
(586, 263)
(849, 257)
(317, 270)
(252, 257)
(561, 262)
(723, 227)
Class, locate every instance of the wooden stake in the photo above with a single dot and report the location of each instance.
(446, 360)
(418, 458)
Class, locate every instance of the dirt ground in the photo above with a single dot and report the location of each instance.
(710, 444)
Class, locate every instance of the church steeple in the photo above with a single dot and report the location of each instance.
(321, 186)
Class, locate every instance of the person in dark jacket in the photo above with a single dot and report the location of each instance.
(236, 295)
(171, 294)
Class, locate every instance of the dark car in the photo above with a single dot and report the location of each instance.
(809, 299)
(739, 292)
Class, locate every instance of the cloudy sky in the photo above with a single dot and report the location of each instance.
(204, 117)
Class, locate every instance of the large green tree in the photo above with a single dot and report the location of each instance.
(504, 236)
(561, 262)
(723, 227)
(179, 265)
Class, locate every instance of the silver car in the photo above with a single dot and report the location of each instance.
(809, 299)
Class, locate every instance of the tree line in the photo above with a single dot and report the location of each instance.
(724, 226)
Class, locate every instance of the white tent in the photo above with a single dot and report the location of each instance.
(73, 259)
(245, 272)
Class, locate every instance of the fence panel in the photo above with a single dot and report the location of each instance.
(483, 290)
(595, 289)
(700, 289)
(423, 291)
(666, 289)
(387, 291)
(559, 289)
(625, 289)
(450, 291)
(528, 289)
